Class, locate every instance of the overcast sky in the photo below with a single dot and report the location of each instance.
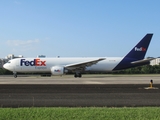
(77, 28)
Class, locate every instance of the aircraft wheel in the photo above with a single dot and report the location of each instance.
(80, 75)
(15, 75)
(75, 75)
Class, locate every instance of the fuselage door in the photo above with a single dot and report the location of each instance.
(18, 67)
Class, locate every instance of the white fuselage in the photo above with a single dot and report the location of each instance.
(45, 64)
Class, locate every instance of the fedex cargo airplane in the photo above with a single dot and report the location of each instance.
(60, 66)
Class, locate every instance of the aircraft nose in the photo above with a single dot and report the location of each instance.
(6, 66)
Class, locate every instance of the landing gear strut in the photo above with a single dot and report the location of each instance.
(15, 75)
(77, 75)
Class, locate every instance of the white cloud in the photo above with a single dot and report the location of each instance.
(23, 45)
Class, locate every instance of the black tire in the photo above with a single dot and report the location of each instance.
(75, 75)
(80, 75)
(15, 76)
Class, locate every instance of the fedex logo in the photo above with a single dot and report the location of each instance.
(35, 62)
(140, 49)
(57, 71)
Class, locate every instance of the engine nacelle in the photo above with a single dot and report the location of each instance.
(57, 70)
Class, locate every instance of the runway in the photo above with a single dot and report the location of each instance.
(78, 95)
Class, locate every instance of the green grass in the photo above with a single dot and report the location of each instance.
(91, 113)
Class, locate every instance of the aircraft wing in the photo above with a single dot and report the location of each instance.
(143, 61)
(82, 65)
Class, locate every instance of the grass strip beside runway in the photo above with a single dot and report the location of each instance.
(93, 113)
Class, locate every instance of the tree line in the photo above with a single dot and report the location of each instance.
(146, 69)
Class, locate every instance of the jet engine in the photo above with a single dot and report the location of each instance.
(57, 70)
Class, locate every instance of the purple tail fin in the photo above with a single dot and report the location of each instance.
(137, 53)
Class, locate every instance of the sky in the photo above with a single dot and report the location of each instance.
(77, 28)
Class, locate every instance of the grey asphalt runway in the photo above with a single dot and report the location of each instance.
(83, 94)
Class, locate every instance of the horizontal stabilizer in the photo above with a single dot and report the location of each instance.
(143, 61)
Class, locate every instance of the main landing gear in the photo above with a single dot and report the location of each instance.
(77, 75)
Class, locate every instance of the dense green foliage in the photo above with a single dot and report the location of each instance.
(143, 113)
(146, 69)
(5, 72)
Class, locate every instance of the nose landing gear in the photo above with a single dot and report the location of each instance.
(15, 74)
